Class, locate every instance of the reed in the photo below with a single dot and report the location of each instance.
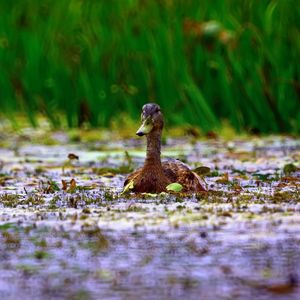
(202, 61)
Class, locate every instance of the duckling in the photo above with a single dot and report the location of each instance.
(156, 175)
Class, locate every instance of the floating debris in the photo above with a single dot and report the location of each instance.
(70, 229)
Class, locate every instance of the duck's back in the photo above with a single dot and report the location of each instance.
(177, 171)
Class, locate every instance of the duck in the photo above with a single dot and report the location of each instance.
(155, 175)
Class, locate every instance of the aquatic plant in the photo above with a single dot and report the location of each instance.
(212, 60)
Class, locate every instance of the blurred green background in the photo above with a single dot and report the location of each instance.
(203, 61)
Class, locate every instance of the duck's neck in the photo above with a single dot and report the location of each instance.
(153, 149)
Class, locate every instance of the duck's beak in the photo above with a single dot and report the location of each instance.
(145, 128)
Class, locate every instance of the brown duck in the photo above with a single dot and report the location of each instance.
(155, 175)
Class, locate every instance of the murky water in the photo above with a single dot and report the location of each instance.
(81, 239)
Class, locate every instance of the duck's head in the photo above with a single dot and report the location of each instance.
(152, 119)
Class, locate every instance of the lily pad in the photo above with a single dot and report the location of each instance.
(174, 187)
(289, 168)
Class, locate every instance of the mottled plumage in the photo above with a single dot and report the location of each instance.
(155, 175)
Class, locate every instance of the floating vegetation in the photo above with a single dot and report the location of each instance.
(174, 187)
(9, 200)
(289, 168)
(76, 231)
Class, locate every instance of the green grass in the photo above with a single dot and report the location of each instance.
(92, 60)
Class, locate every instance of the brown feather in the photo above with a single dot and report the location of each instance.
(179, 172)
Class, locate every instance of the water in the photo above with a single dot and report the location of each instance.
(240, 240)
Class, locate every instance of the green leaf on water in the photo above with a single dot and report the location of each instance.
(6, 226)
(174, 187)
(202, 171)
(289, 168)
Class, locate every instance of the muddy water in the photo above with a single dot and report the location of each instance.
(81, 239)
